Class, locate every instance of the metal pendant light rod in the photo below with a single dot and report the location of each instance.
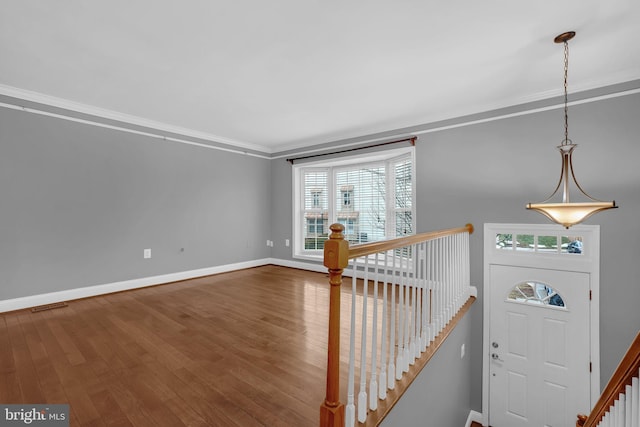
(564, 38)
(567, 213)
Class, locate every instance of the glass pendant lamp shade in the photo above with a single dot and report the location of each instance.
(566, 212)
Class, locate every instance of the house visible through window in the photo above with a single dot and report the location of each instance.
(372, 197)
(347, 195)
(315, 196)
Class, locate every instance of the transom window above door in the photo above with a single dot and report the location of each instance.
(548, 244)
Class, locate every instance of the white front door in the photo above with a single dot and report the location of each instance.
(541, 324)
(539, 367)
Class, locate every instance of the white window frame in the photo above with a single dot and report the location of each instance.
(331, 166)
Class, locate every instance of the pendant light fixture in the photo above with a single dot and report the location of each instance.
(568, 213)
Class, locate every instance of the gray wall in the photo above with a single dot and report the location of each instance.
(488, 172)
(440, 396)
(80, 203)
(282, 212)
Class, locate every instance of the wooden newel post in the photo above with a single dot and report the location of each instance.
(336, 259)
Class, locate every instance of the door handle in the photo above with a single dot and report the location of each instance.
(496, 357)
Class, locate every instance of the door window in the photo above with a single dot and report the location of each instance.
(536, 293)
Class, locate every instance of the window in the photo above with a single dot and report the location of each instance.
(315, 197)
(557, 244)
(535, 293)
(315, 225)
(371, 196)
(347, 195)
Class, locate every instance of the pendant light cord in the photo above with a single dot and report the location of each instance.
(566, 99)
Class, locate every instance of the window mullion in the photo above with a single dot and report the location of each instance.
(390, 195)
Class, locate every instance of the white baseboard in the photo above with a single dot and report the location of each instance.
(298, 264)
(473, 416)
(90, 291)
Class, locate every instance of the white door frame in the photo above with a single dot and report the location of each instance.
(587, 262)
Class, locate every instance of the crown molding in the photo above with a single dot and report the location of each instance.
(71, 110)
(48, 104)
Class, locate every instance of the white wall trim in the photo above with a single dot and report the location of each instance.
(99, 113)
(319, 268)
(125, 285)
(297, 149)
(90, 291)
(473, 416)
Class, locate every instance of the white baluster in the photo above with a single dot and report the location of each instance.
(627, 406)
(460, 298)
(440, 286)
(442, 283)
(423, 297)
(362, 396)
(435, 291)
(415, 327)
(424, 337)
(391, 382)
(411, 350)
(382, 389)
(417, 298)
(450, 279)
(431, 266)
(373, 382)
(350, 410)
(445, 282)
(407, 313)
(400, 357)
(635, 402)
(467, 265)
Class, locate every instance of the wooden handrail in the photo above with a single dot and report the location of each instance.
(364, 249)
(627, 369)
(336, 258)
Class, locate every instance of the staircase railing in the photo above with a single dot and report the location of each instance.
(404, 292)
(619, 404)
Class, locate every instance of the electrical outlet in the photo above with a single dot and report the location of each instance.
(286, 242)
(462, 351)
(147, 253)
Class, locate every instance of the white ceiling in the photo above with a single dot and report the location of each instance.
(281, 74)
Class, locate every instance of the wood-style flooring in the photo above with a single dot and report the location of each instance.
(246, 348)
(239, 349)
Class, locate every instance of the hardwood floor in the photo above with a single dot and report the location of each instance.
(184, 354)
(246, 348)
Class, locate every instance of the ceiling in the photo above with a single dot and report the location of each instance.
(282, 74)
